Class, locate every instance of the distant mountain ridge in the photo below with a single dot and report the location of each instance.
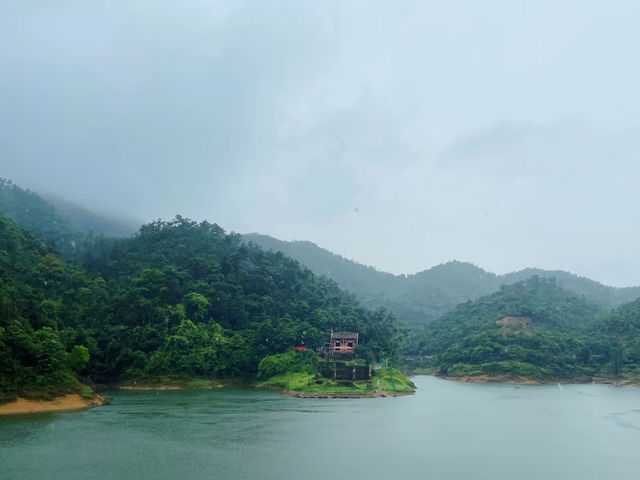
(607, 296)
(420, 298)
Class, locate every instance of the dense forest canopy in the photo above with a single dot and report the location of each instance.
(41, 299)
(177, 272)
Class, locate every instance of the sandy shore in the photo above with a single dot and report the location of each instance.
(73, 401)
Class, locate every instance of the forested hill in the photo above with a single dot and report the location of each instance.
(421, 298)
(622, 327)
(533, 328)
(180, 298)
(196, 270)
(414, 299)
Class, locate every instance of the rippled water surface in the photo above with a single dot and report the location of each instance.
(447, 430)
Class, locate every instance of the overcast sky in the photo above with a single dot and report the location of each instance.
(399, 134)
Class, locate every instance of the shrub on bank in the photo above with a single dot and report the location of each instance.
(287, 362)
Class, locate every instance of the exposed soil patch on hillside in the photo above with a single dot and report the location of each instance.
(514, 325)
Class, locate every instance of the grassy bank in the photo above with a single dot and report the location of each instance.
(393, 380)
(385, 380)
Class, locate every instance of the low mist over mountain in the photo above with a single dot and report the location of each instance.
(34, 213)
(64, 226)
(421, 298)
(92, 221)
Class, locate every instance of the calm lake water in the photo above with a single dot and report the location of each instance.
(447, 430)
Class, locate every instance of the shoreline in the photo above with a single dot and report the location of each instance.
(74, 402)
(384, 394)
(290, 393)
(208, 384)
(66, 403)
(484, 379)
(524, 380)
(151, 387)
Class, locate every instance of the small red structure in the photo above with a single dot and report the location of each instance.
(343, 342)
(299, 348)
